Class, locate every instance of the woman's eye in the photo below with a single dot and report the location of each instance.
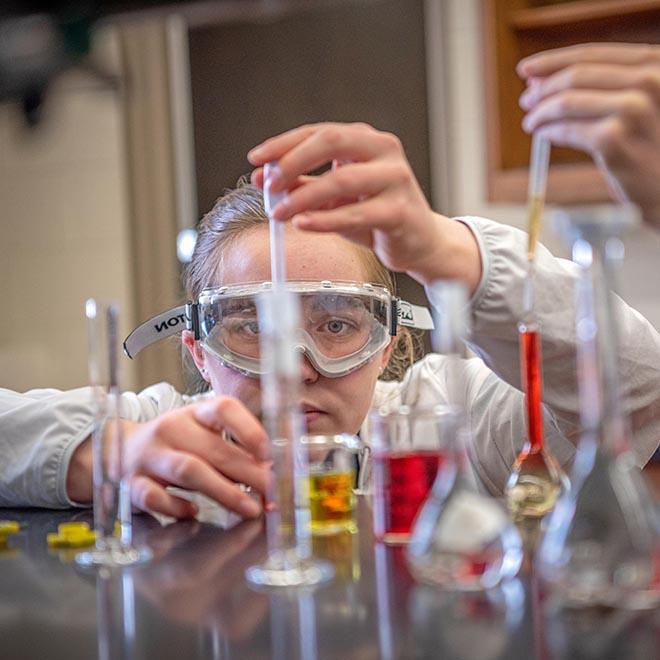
(252, 327)
(336, 326)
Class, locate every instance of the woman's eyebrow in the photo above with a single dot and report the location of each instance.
(240, 305)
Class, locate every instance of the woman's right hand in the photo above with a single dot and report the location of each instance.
(187, 448)
(373, 199)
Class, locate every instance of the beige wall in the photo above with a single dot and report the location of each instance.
(64, 230)
(466, 160)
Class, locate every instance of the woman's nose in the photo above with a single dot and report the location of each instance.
(308, 373)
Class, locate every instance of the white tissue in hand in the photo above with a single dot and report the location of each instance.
(209, 511)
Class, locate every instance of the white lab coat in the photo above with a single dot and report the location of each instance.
(40, 429)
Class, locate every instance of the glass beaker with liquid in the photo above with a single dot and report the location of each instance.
(408, 447)
(330, 481)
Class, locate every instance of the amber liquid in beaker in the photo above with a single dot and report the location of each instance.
(332, 502)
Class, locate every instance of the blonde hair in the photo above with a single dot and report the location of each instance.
(241, 210)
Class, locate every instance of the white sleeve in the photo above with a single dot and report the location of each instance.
(497, 306)
(40, 429)
(495, 411)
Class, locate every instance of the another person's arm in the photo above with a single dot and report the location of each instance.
(603, 99)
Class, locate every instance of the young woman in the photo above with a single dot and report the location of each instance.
(344, 224)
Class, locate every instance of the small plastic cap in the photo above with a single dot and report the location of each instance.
(9, 527)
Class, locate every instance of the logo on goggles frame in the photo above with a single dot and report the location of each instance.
(170, 323)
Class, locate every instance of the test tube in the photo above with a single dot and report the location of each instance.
(112, 507)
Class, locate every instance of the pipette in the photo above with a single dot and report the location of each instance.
(277, 255)
(538, 177)
(536, 479)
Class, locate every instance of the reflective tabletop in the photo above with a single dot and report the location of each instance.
(192, 601)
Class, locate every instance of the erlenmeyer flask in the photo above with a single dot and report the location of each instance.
(536, 479)
(602, 537)
(462, 538)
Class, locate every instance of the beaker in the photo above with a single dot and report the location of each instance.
(330, 483)
(408, 447)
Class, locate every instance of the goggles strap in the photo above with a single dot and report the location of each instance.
(158, 327)
(394, 316)
(411, 316)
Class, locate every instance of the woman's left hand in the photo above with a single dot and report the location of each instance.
(373, 199)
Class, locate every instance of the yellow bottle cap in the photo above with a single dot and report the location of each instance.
(71, 535)
(9, 527)
(71, 529)
(54, 540)
(82, 541)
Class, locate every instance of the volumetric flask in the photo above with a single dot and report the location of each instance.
(463, 538)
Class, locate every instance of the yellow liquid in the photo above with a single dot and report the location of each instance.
(342, 549)
(535, 215)
(332, 502)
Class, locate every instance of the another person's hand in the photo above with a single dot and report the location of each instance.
(188, 448)
(373, 199)
(603, 99)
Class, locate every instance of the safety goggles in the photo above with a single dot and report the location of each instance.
(343, 325)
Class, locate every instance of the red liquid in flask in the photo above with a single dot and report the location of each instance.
(402, 484)
(535, 481)
(530, 349)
